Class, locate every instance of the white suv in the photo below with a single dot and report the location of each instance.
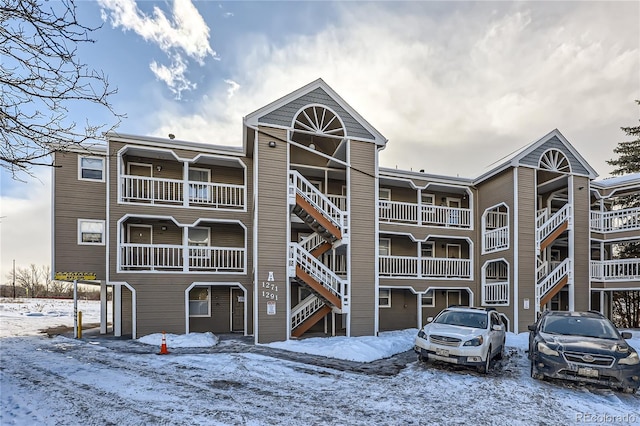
(462, 335)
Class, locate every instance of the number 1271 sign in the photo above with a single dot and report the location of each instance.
(270, 293)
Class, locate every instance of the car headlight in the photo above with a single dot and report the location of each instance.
(476, 341)
(543, 348)
(422, 334)
(632, 359)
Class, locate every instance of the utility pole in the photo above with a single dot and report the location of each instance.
(14, 278)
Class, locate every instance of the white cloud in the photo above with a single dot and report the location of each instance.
(185, 33)
(25, 229)
(460, 89)
(233, 87)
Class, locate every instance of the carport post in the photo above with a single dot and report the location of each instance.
(75, 309)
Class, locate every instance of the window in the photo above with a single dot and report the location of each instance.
(199, 236)
(384, 247)
(90, 231)
(199, 305)
(428, 299)
(199, 192)
(428, 199)
(384, 298)
(384, 194)
(426, 250)
(91, 168)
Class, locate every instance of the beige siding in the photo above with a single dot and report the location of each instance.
(581, 223)
(75, 199)
(273, 220)
(363, 237)
(526, 246)
(497, 190)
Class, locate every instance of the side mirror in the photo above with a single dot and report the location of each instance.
(531, 327)
(497, 327)
(430, 319)
(626, 335)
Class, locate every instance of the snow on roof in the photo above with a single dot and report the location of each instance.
(612, 182)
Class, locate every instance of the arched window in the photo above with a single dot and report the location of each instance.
(554, 161)
(495, 228)
(495, 283)
(320, 120)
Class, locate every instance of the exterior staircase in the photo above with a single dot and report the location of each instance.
(329, 223)
(552, 283)
(548, 229)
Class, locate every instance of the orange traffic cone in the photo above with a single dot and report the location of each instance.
(163, 346)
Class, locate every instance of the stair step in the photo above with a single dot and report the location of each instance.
(311, 321)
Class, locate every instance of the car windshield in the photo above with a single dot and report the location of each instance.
(463, 319)
(579, 326)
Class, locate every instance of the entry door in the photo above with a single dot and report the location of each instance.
(237, 310)
(454, 203)
(453, 297)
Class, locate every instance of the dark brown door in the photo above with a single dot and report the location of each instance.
(237, 310)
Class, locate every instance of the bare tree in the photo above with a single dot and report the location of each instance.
(41, 79)
(29, 279)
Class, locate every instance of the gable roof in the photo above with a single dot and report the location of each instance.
(529, 154)
(280, 113)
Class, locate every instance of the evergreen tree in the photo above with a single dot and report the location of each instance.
(626, 304)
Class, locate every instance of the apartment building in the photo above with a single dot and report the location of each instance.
(297, 231)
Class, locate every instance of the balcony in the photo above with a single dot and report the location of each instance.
(428, 215)
(495, 293)
(150, 190)
(615, 220)
(615, 270)
(169, 257)
(422, 267)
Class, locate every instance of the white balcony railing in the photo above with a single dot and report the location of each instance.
(495, 293)
(546, 227)
(305, 309)
(431, 267)
(495, 239)
(167, 257)
(615, 220)
(412, 213)
(615, 270)
(545, 285)
(172, 191)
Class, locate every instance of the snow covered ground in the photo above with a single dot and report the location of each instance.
(228, 380)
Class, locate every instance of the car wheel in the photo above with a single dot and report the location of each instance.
(422, 358)
(484, 369)
(534, 372)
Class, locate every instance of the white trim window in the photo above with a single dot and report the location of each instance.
(200, 302)
(384, 194)
(427, 249)
(428, 199)
(428, 299)
(384, 297)
(90, 232)
(91, 168)
(384, 247)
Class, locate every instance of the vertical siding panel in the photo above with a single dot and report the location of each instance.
(363, 237)
(526, 279)
(273, 220)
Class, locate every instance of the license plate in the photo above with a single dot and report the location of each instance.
(442, 352)
(588, 372)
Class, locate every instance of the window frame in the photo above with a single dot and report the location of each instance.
(208, 314)
(388, 241)
(81, 168)
(425, 245)
(423, 296)
(425, 195)
(380, 297)
(386, 197)
(89, 243)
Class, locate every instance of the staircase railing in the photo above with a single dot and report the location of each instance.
(551, 280)
(312, 242)
(298, 256)
(305, 309)
(298, 185)
(545, 229)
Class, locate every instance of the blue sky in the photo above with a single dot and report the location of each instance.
(454, 86)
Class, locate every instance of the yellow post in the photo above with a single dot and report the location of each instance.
(79, 324)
